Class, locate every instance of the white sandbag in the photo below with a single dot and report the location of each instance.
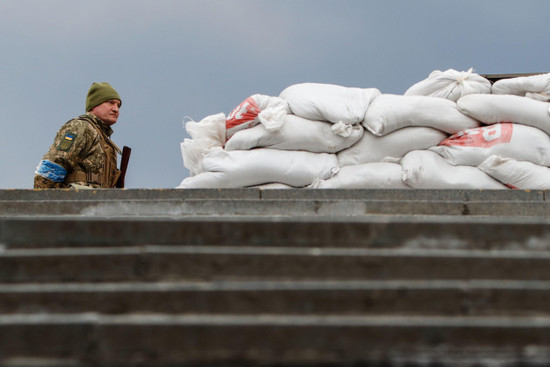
(297, 133)
(256, 109)
(328, 102)
(533, 86)
(517, 174)
(372, 148)
(193, 151)
(521, 142)
(210, 128)
(207, 136)
(423, 169)
(390, 112)
(242, 168)
(494, 108)
(450, 84)
(377, 175)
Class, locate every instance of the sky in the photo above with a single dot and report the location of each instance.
(178, 60)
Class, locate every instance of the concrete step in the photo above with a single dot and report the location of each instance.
(412, 298)
(258, 194)
(254, 202)
(449, 232)
(296, 340)
(216, 263)
(252, 277)
(268, 207)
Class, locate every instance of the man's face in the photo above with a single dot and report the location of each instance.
(107, 111)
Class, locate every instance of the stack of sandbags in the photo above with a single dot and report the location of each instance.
(447, 131)
(511, 147)
(396, 125)
(494, 156)
(515, 146)
(296, 146)
(516, 155)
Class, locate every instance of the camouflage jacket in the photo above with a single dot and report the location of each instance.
(82, 153)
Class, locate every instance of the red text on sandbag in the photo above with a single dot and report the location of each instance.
(481, 137)
(246, 112)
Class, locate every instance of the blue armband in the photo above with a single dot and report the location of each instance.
(51, 171)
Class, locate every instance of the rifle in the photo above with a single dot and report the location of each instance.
(123, 166)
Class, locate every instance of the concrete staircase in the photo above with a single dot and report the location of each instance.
(274, 278)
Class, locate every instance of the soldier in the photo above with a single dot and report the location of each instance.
(82, 154)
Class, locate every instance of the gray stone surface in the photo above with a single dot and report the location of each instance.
(217, 263)
(248, 277)
(462, 232)
(128, 194)
(405, 194)
(323, 297)
(270, 203)
(158, 340)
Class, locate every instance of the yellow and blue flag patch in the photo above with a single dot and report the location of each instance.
(67, 141)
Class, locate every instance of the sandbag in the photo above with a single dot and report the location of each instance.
(256, 109)
(297, 133)
(377, 175)
(395, 145)
(533, 86)
(193, 151)
(494, 108)
(390, 112)
(423, 169)
(241, 168)
(209, 128)
(207, 136)
(450, 84)
(328, 102)
(517, 174)
(521, 142)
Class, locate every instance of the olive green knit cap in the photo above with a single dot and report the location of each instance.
(100, 92)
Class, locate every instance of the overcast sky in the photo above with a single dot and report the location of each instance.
(172, 60)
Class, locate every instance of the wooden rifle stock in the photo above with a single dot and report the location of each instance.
(123, 166)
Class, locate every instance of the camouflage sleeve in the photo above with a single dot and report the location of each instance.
(72, 142)
(45, 183)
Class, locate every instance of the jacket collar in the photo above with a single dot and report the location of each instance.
(102, 124)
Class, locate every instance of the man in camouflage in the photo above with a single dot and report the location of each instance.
(82, 154)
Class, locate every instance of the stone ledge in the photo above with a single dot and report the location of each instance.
(252, 193)
(187, 340)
